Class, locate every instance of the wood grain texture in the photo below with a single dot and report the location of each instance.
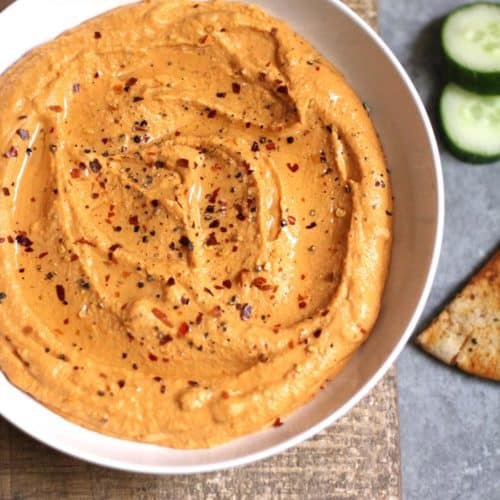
(358, 458)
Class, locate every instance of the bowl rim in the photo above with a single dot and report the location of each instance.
(60, 445)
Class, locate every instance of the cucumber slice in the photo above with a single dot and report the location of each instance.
(471, 43)
(471, 124)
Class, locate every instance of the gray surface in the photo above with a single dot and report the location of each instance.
(450, 422)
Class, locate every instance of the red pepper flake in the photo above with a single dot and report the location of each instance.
(97, 35)
(224, 394)
(10, 153)
(261, 283)
(95, 165)
(134, 220)
(75, 173)
(43, 254)
(5, 191)
(277, 423)
(213, 196)
(282, 89)
(182, 163)
(246, 312)
(291, 220)
(270, 146)
(152, 357)
(83, 241)
(199, 318)
(161, 316)
(212, 113)
(23, 134)
(227, 284)
(56, 108)
(236, 87)
(293, 168)
(76, 88)
(182, 330)
(61, 294)
(216, 312)
(129, 83)
(211, 240)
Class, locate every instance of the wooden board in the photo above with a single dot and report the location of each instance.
(357, 458)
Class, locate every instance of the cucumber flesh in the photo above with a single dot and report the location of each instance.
(471, 124)
(471, 43)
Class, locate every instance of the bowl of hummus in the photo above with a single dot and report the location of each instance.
(219, 223)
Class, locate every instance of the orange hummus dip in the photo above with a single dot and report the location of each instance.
(195, 222)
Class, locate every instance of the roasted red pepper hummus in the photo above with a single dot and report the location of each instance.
(195, 222)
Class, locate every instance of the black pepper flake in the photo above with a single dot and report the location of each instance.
(221, 95)
(388, 213)
(76, 88)
(282, 89)
(129, 83)
(317, 333)
(212, 113)
(246, 312)
(311, 225)
(83, 284)
(97, 35)
(52, 148)
(160, 164)
(236, 87)
(137, 139)
(61, 294)
(138, 98)
(3, 296)
(186, 243)
(255, 146)
(95, 165)
(193, 383)
(329, 128)
(23, 134)
(290, 140)
(23, 240)
(171, 281)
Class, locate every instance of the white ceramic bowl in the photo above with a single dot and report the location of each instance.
(413, 158)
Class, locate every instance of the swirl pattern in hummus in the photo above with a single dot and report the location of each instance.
(195, 222)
